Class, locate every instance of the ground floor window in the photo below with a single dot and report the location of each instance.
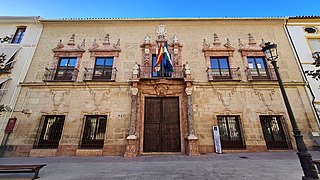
(94, 132)
(230, 132)
(50, 130)
(273, 131)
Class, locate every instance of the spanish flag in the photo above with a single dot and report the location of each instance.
(159, 57)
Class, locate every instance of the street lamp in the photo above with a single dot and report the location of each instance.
(270, 50)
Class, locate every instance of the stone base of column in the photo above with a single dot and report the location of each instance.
(131, 148)
(192, 146)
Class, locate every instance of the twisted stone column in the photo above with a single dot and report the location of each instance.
(192, 147)
(131, 148)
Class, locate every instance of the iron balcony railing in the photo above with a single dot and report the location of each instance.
(56, 74)
(261, 74)
(100, 74)
(149, 72)
(215, 74)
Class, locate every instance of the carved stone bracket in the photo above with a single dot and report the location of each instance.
(161, 89)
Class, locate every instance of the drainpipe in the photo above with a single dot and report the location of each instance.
(22, 75)
(301, 69)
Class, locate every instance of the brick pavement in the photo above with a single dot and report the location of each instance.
(248, 166)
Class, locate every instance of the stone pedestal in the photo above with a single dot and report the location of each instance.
(131, 148)
(192, 146)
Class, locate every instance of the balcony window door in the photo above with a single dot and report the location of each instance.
(164, 70)
(258, 68)
(103, 68)
(220, 68)
(66, 68)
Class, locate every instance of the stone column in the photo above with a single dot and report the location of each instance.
(131, 148)
(192, 145)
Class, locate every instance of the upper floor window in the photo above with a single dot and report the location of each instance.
(220, 68)
(94, 132)
(311, 29)
(103, 68)
(314, 44)
(258, 68)
(65, 69)
(18, 36)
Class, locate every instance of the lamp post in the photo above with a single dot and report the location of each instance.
(270, 50)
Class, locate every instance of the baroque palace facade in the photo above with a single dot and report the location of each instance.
(92, 89)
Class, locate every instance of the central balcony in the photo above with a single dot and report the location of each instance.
(147, 72)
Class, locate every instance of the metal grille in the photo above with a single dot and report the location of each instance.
(273, 132)
(100, 74)
(148, 72)
(230, 132)
(94, 132)
(50, 133)
(223, 73)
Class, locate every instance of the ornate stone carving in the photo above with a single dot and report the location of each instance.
(134, 91)
(99, 96)
(131, 149)
(58, 97)
(161, 31)
(71, 46)
(216, 41)
(265, 95)
(225, 96)
(105, 46)
(161, 90)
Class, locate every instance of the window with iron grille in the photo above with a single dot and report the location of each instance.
(18, 36)
(230, 132)
(220, 68)
(49, 133)
(273, 132)
(258, 68)
(94, 132)
(65, 69)
(103, 68)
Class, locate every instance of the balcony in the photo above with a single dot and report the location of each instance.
(222, 74)
(147, 72)
(261, 74)
(55, 74)
(102, 74)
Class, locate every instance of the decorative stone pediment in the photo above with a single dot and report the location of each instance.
(106, 46)
(217, 49)
(148, 47)
(71, 46)
(251, 49)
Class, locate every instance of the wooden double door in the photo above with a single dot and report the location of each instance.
(162, 125)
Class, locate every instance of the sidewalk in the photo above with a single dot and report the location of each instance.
(230, 166)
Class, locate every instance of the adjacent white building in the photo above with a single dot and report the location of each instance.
(304, 36)
(19, 37)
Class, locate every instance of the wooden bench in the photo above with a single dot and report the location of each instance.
(22, 168)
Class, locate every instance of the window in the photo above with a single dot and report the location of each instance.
(311, 29)
(314, 44)
(66, 68)
(50, 131)
(258, 68)
(103, 68)
(17, 38)
(230, 132)
(94, 132)
(220, 68)
(164, 70)
(273, 131)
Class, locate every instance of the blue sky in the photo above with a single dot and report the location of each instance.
(142, 8)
